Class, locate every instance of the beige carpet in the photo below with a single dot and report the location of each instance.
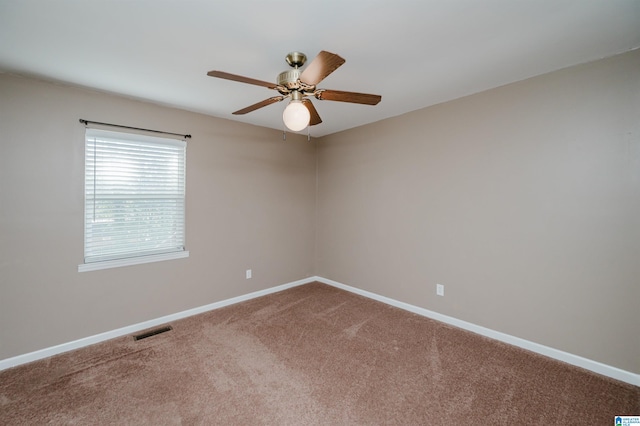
(309, 355)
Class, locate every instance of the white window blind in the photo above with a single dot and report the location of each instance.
(134, 196)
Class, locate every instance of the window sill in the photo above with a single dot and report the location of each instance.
(107, 264)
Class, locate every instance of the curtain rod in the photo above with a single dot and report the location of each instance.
(86, 122)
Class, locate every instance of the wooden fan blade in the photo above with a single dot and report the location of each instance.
(353, 97)
(321, 66)
(259, 105)
(315, 117)
(241, 79)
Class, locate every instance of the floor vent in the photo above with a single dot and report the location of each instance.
(152, 332)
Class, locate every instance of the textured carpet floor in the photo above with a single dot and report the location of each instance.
(309, 355)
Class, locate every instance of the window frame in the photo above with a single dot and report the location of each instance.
(132, 257)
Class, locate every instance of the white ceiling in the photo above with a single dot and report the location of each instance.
(414, 53)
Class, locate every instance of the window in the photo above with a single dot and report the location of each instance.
(134, 199)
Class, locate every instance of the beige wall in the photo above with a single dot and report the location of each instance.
(250, 204)
(524, 201)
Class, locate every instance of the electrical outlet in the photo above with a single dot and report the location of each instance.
(440, 289)
(248, 274)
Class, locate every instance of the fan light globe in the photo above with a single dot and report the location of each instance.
(296, 116)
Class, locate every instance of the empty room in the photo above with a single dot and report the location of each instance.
(319, 212)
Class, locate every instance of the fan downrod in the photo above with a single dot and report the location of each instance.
(296, 59)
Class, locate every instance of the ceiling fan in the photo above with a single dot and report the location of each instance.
(299, 84)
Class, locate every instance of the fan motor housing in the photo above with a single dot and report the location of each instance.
(289, 79)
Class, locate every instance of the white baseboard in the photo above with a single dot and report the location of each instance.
(595, 366)
(76, 344)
